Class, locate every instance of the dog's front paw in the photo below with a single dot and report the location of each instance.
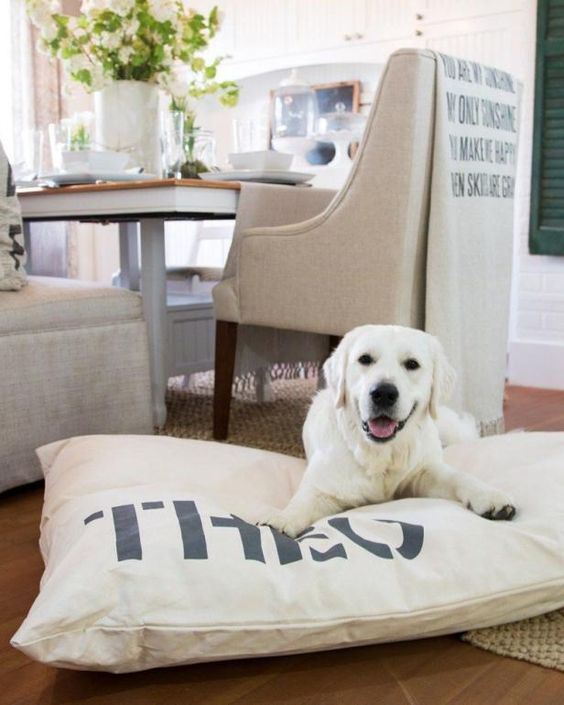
(491, 504)
(285, 523)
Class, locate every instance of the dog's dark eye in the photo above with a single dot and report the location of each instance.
(366, 359)
(411, 364)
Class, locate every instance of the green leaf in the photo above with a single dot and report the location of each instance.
(83, 76)
(69, 52)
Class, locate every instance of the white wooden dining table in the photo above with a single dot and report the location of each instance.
(141, 208)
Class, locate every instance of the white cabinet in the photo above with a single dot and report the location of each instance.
(324, 24)
(327, 24)
(492, 40)
(264, 35)
(260, 28)
(447, 10)
(384, 20)
(251, 29)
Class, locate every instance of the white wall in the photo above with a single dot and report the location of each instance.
(254, 101)
(536, 350)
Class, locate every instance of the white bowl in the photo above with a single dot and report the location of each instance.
(265, 160)
(93, 160)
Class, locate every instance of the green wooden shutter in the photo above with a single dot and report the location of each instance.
(546, 234)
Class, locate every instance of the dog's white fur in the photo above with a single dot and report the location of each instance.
(348, 468)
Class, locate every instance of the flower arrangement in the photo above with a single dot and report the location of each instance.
(139, 40)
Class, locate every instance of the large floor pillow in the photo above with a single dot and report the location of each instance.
(153, 558)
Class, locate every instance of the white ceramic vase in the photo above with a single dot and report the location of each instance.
(127, 120)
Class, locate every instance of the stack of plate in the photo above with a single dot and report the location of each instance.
(90, 166)
(266, 166)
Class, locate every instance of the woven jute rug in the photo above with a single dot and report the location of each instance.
(539, 640)
(277, 426)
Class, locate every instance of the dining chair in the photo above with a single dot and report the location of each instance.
(363, 258)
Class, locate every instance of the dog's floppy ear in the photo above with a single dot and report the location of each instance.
(444, 378)
(334, 370)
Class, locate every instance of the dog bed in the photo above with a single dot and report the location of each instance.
(152, 555)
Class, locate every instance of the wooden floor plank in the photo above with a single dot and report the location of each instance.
(438, 671)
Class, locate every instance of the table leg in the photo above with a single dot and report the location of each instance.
(129, 275)
(153, 290)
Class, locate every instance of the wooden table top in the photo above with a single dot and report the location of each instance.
(128, 185)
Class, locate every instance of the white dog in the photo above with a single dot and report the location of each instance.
(373, 434)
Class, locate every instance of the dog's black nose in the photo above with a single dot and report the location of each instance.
(384, 395)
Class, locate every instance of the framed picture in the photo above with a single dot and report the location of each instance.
(329, 96)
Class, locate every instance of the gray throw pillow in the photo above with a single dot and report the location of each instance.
(12, 254)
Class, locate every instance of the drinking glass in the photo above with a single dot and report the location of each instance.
(243, 135)
(60, 134)
(172, 141)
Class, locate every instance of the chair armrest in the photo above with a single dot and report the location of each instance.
(268, 208)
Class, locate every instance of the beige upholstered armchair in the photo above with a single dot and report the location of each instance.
(363, 257)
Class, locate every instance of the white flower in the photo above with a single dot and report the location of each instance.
(41, 13)
(175, 85)
(110, 40)
(163, 10)
(99, 80)
(42, 46)
(49, 30)
(75, 29)
(89, 6)
(80, 32)
(132, 27)
(120, 7)
(125, 53)
(46, 7)
(78, 63)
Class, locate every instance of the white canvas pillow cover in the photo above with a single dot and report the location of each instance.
(153, 559)
(12, 255)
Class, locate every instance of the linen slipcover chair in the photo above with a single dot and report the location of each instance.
(74, 356)
(364, 258)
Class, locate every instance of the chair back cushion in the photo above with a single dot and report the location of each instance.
(368, 247)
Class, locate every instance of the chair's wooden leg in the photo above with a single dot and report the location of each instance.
(225, 347)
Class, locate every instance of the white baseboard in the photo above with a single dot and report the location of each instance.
(536, 364)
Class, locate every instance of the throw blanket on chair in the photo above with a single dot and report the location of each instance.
(471, 229)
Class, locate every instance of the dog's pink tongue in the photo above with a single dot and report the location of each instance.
(382, 427)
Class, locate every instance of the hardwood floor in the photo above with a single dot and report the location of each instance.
(439, 671)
